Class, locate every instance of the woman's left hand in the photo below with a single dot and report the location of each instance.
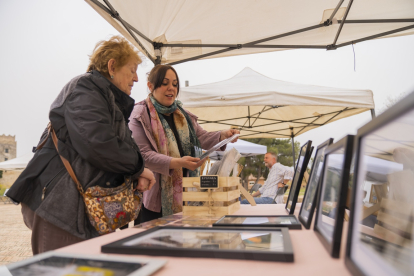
(143, 184)
(228, 133)
(145, 180)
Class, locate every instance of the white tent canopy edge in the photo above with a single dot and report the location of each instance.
(178, 31)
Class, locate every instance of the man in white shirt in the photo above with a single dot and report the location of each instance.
(278, 176)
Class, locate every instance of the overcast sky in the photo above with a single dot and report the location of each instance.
(47, 43)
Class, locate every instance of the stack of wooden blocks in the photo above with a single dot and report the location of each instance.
(214, 202)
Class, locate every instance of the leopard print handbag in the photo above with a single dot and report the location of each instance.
(107, 208)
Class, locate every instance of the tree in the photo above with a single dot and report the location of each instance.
(255, 165)
(392, 100)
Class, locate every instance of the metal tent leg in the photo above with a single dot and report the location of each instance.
(293, 151)
(373, 113)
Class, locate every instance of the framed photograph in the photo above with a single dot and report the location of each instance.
(381, 226)
(155, 222)
(193, 222)
(55, 263)
(203, 242)
(289, 221)
(309, 199)
(301, 165)
(332, 194)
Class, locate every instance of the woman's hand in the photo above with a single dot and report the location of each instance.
(143, 184)
(187, 162)
(145, 180)
(228, 133)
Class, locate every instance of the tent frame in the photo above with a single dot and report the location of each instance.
(255, 44)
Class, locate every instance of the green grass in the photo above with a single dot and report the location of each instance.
(2, 189)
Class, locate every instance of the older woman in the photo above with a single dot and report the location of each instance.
(90, 117)
(167, 136)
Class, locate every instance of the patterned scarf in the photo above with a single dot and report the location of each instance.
(172, 186)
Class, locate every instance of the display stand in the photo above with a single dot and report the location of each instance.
(213, 202)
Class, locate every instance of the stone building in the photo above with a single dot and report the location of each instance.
(7, 147)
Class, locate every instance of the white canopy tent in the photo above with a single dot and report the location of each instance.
(18, 163)
(262, 107)
(175, 31)
(246, 149)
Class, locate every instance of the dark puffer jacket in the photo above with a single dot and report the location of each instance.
(90, 118)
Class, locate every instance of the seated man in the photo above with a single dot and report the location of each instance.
(278, 176)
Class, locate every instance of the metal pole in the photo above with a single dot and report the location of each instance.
(373, 113)
(293, 151)
(293, 146)
(343, 21)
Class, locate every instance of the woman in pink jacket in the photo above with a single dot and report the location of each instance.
(167, 136)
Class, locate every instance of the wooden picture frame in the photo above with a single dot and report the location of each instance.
(387, 248)
(301, 166)
(265, 244)
(288, 221)
(307, 207)
(334, 185)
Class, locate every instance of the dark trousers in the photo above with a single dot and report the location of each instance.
(46, 236)
(147, 215)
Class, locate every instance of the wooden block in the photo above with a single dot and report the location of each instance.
(214, 211)
(397, 206)
(248, 196)
(216, 196)
(223, 181)
(371, 210)
(396, 222)
(381, 191)
(216, 202)
(390, 236)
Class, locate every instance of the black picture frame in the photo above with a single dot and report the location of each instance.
(210, 249)
(295, 225)
(311, 191)
(305, 151)
(401, 110)
(334, 245)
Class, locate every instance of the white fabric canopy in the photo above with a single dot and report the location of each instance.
(246, 149)
(16, 163)
(267, 108)
(239, 25)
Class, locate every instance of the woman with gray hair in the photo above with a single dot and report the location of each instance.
(89, 117)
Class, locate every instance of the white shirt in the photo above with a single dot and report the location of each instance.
(277, 174)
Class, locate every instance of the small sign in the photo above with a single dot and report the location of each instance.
(209, 181)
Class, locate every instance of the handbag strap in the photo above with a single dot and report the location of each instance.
(66, 163)
(40, 146)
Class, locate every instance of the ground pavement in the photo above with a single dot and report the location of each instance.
(14, 235)
(15, 243)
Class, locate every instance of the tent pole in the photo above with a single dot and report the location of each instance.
(373, 113)
(293, 145)
(116, 15)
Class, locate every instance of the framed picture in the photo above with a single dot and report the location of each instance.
(332, 194)
(302, 164)
(55, 263)
(203, 242)
(193, 222)
(309, 199)
(380, 233)
(289, 221)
